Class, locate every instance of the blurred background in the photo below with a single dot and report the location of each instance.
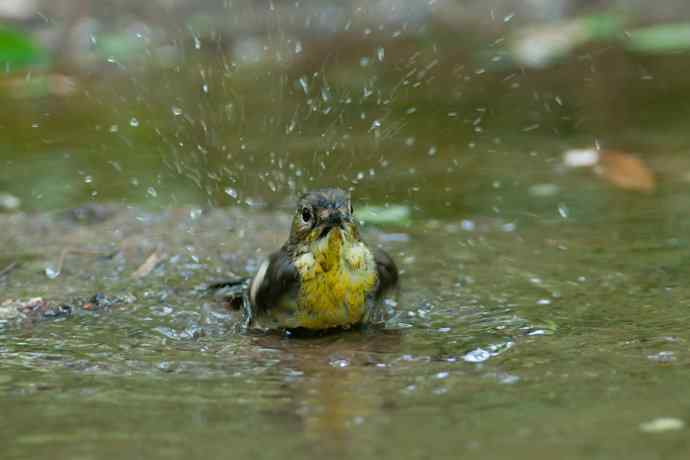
(443, 106)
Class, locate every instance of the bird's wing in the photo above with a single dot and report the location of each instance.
(387, 271)
(276, 277)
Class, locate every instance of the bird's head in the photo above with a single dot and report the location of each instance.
(320, 213)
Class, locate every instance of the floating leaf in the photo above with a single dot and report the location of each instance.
(149, 264)
(540, 46)
(662, 38)
(662, 424)
(396, 214)
(625, 171)
(622, 169)
(17, 48)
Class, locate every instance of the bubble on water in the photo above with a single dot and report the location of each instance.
(662, 357)
(478, 355)
(152, 192)
(52, 273)
(176, 111)
(133, 122)
(339, 363)
(231, 192)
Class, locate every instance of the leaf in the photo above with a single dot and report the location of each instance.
(147, 267)
(625, 171)
(662, 424)
(395, 214)
(662, 38)
(17, 48)
(621, 169)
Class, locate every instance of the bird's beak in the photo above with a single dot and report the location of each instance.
(333, 219)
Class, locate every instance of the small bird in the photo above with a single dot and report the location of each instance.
(324, 276)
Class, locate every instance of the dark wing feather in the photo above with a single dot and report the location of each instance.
(387, 271)
(277, 279)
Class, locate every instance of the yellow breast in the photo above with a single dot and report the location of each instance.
(337, 279)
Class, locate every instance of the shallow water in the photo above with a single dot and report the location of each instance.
(530, 325)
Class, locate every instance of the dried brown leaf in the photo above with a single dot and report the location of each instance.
(147, 267)
(626, 171)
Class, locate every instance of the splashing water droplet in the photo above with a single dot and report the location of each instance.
(304, 83)
(133, 122)
(231, 192)
(52, 273)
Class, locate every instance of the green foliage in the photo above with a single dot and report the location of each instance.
(662, 38)
(17, 49)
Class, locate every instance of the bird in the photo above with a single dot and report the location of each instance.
(325, 276)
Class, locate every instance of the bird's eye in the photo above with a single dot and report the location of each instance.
(306, 215)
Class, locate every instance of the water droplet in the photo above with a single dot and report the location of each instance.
(231, 192)
(304, 83)
(133, 122)
(563, 211)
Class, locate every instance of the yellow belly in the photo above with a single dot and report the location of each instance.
(338, 278)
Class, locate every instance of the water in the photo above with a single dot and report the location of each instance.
(544, 311)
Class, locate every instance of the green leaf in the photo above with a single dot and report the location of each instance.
(17, 48)
(663, 38)
(395, 214)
